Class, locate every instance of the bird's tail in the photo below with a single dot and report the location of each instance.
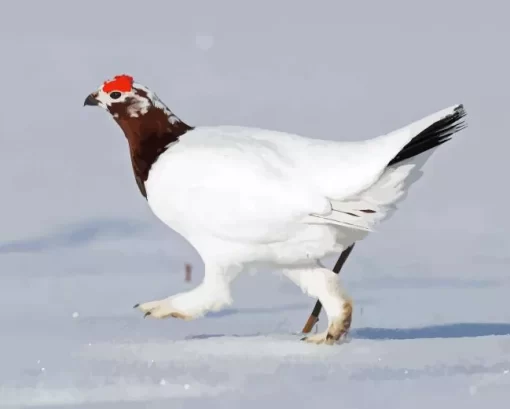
(375, 204)
(434, 135)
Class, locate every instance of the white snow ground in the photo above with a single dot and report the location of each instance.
(70, 337)
(432, 312)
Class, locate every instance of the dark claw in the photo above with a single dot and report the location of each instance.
(147, 314)
(136, 305)
(304, 338)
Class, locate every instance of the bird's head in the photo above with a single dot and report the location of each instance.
(149, 126)
(125, 99)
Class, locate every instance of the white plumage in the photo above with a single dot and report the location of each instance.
(256, 188)
(245, 196)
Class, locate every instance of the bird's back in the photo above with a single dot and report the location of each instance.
(330, 168)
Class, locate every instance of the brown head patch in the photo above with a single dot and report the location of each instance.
(149, 126)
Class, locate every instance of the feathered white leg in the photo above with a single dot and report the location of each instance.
(212, 294)
(320, 282)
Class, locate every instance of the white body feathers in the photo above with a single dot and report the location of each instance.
(242, 195)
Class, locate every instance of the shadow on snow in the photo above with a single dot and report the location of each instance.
(458, 330)
(73, 236)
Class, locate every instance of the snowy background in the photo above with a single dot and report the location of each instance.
(79, 246)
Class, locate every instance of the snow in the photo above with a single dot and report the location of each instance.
(204, 42)
(432, 313)
(417, 341)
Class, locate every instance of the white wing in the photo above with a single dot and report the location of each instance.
(377, 203)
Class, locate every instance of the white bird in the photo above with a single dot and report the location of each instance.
(245, 197)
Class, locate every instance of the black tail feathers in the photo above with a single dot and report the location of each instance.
(436, 134)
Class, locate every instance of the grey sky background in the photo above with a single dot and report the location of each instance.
(327, 69)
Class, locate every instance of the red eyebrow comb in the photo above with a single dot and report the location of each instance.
(123, 83)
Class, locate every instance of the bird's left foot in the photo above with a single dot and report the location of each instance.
(324, 338)
(162, 309)
(337, 331)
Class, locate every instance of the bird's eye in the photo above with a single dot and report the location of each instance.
(115, 95)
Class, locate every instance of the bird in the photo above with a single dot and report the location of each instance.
(247, 197)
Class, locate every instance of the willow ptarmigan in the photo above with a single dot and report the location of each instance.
(250, 197)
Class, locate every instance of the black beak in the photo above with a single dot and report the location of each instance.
(90, 100)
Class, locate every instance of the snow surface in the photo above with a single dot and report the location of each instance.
(70, 336)
(78, 246)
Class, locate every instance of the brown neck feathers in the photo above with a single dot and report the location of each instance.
(149, 135)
